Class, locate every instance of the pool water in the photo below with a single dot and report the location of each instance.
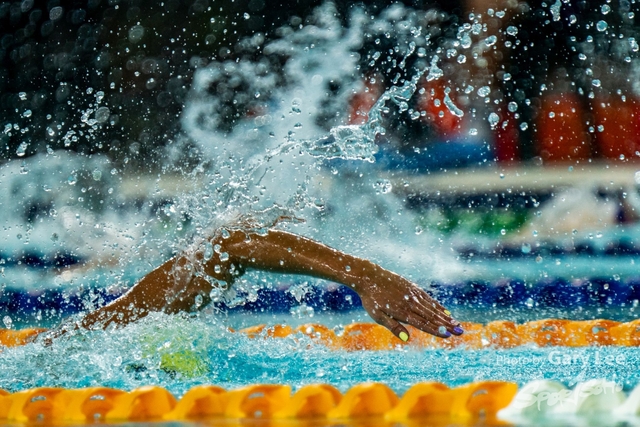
(140, 355)
(61, 209)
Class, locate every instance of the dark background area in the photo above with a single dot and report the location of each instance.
(57, 56)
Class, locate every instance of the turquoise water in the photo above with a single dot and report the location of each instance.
(133, 357)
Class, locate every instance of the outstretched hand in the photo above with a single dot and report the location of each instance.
(389, 298)
(392, 300)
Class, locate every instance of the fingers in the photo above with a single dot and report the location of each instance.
(427, 308)
(429, 327)
(392, 321)
(391, 324)
(404, 302)
(438, 319)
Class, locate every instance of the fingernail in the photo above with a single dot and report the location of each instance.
(458, 330)
(447, 312)
(447, 335)
(404, 336)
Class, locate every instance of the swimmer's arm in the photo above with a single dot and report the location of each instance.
(389, 298)
(163, 289)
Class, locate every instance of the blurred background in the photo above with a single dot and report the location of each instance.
(516, 153)
(528, 59)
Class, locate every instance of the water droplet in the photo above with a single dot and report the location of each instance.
(503, 231)
(55, 13)
(602, 25)
(555, 10)
(605, 8)
(208, 251)
(462, 59)
(506, 77)
(22, 96)
(8, 323)
(484, 91)
(493, 120)
(22, 149)
(511, 30)
(96, 174)
(136, 33)
(535, 233)
(453, 108)
(512, 106)
(529, 302)
(490, 41)
(224, 256)
(419, 230)
(246, 16)
(465, 41)
(524, 126)
(348, 268)
(102, 114)
(526, 248)
(198, 301)
(473, 131)
(442, 330)
(596, 82)
(434, 71)
(382, 186)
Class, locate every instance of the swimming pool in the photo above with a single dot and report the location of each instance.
(282, 123)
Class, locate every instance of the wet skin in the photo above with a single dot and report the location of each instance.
(390, 299)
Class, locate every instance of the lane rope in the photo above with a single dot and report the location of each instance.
(496, 334)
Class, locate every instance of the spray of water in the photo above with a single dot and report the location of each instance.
(270, 135)
(287, 157)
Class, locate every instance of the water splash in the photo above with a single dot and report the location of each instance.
(180, 353)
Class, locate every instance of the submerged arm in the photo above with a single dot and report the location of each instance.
(175, 286)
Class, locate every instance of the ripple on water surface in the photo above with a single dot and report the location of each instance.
(204, 351)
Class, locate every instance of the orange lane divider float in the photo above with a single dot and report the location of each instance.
(496, 334)
(266, 401)
(13, 338)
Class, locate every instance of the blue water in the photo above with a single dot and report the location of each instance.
(133, 357)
